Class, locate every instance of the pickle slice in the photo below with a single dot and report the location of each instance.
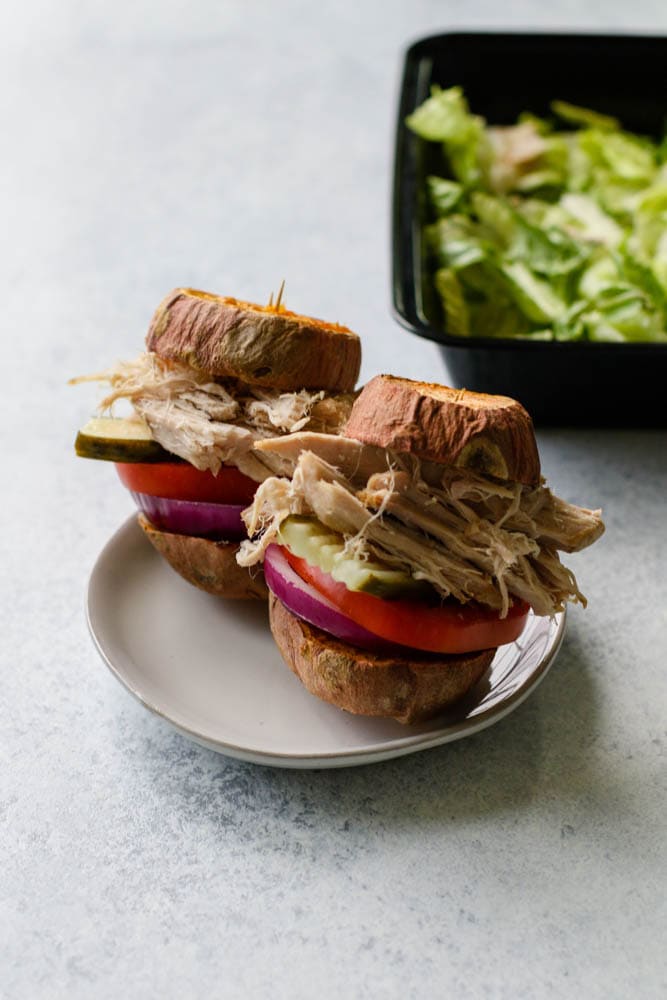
(309, 539)
(116, 439)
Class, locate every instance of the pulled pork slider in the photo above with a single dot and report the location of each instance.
(218, 376)
(402, 553)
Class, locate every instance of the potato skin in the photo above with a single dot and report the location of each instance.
(409, 688)
(262, 346)
(492, 435)
(208, 565)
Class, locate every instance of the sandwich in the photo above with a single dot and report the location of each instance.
(218, 375)
(401, 553)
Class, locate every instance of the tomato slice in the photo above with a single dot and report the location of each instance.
(445, 628)
(181, 481)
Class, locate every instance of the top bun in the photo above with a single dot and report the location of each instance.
(492, 435)
(262, 345)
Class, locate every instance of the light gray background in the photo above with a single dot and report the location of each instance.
(228, 146)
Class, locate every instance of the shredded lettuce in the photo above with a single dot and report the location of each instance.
(575, 115)
(445, 118)
(444, 195)
(451, 292)
(549, 229)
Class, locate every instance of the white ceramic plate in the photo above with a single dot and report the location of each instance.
(210, 668)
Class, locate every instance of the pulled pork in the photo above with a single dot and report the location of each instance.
(209, 422)
(472, 537)
(515, 149)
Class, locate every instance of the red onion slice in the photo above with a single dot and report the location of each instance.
(189, 517)
(307, 603)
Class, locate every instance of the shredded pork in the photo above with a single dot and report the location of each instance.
(210, 423)
(515, 148)
(471, 537)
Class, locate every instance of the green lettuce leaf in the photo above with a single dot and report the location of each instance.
(582, 213)
(445, 117)
(575, 115)
(457, 315)
(550, 251)
(533, 296)
(487, 320)
(444, 195)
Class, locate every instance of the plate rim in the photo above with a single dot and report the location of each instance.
(354, 756)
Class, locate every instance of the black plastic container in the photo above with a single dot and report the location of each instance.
(502, 75)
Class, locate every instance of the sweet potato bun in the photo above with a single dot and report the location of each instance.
(409, 687)
(206, 564)
(492, 435)
(262, 345)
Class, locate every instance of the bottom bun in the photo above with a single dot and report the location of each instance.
(209, 565)
(409, 688)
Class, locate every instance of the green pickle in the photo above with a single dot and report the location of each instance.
(115, 439)
(309, 539)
